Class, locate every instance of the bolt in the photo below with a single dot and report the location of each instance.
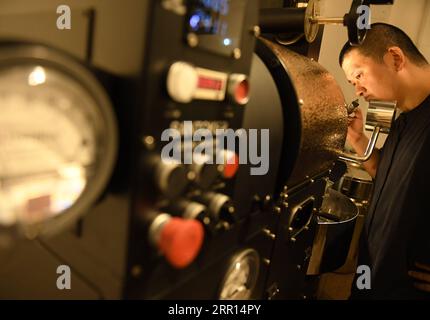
(149, 141)
(237, 53)
(206, 220)
(226, 225)
(192, 40)
(256, 31)
(269, 234)
(191, 175)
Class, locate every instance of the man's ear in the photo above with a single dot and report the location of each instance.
(396, 58)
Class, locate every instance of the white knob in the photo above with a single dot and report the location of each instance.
(182, 81)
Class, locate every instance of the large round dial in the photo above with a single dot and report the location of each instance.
(56, 130)
(241, 276)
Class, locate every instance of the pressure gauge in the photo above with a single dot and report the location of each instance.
(58, 139)
(241, 276)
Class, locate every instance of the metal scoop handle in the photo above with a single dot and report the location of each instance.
(380, 116)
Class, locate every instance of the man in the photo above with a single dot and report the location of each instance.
(396, 235)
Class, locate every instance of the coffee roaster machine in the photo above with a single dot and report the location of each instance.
(82, 182)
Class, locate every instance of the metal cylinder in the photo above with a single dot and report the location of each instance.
(315, 119)
(279, 20)
(324, 20)
(380, 114)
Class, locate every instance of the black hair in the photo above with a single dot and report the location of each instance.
(379, 38)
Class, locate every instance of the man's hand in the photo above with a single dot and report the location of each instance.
(355, 127)
(423, 276)
(359, 141)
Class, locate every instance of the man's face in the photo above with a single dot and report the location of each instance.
(372, 80)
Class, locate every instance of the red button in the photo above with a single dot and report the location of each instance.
(238, 88)
(180, 241)
(230, 167)
(241, 92)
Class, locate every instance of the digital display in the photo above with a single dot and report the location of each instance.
(216, 23)
(208, 83)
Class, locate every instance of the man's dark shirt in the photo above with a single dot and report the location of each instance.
(397, 227)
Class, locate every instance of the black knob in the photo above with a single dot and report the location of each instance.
(220, 207)
(188, 209)
(169, 177)
(205, 173)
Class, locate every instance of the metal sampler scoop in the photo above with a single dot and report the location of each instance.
(352, 106)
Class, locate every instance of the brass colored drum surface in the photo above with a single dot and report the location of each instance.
(323, 116)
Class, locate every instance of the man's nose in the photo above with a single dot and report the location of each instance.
(359, 90)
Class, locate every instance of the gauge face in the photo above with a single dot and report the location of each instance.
(241, 276)
(53, 137)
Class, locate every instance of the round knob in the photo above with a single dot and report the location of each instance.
(180, 241)
(171, 178)
(219, 206)
(205, 173)
(182, 80)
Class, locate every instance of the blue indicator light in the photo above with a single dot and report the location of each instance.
(194, 21)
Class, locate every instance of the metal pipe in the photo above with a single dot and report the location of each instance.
(324, 20)
(367, 153)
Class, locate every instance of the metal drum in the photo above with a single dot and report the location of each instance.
(305, 110)
(315, 119)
